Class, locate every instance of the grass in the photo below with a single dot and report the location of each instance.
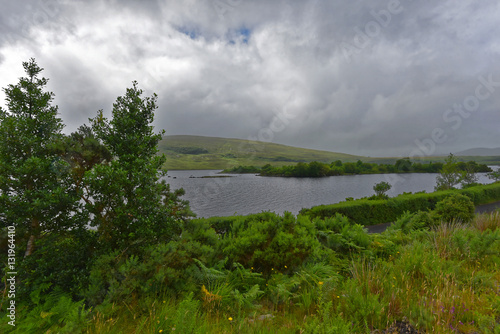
(222, 153)
(226, 153)
(445, 280)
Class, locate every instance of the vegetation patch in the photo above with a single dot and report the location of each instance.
(378, 211)
(187, 150)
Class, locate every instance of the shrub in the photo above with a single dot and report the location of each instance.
(408, 222)
(53, 312)
(381, 188)
(454, 207)
(61, 260)
(171, 266)
(266, 241)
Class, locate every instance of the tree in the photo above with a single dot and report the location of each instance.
(131, 205)
(495, 175)
(381, 188)
(83, 151)
(36, 194)
(403, 165)
(468, 176)
(449, 175)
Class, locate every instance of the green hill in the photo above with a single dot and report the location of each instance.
(196, 152)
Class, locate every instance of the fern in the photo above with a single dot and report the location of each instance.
(209, 275)
(55, 312)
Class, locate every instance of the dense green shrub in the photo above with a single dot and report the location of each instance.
(454, 207)
(171, 266)
(61, 260)
(267, 241)
(408, 221)
(54, 312)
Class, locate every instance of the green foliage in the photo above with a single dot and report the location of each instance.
(495, 175)
(63, 261)
(185, 317)
(381, 188)
(474, 247)
(465, 171)
(328, 321)
(53, 312)
(321, 169)
(243, 170)
(352, 238)
(408, 222)
(371, 212)
(83, 151)
(36, 192)
(267, 241)
(364, 308)
(449, 175)
(130, 205)
(454, 207)
(187, 150)
(176, 265)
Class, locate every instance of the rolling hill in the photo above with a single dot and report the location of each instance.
(480, 152)
(197, 152)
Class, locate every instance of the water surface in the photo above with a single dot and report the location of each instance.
(244, 194)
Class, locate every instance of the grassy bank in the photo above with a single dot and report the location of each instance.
(372, 212)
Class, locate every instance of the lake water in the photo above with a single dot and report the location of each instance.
(244, 194)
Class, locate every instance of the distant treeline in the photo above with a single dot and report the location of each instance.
(321, 169)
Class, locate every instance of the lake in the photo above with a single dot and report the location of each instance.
(244, 194)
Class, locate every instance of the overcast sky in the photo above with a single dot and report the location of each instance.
(374, 78)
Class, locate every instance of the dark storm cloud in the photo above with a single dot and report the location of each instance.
(363, 77)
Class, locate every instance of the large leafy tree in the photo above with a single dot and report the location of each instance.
(132, 206)
(36, 194)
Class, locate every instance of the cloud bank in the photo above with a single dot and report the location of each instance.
(377, 78)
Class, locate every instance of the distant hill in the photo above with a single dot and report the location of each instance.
(480, 152)
(196, 152)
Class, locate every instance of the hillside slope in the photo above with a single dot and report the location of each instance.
(480, 152)
(196, 152)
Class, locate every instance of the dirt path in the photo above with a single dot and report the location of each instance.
(485, 208)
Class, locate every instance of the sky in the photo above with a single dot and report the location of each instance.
(405, 78)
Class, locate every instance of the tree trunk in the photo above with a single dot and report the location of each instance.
(29, 247)
(35, 225)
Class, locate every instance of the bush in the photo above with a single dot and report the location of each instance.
(408, 222)
(171, 266)
(63, 261)
(454, 207)
(267, 241)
